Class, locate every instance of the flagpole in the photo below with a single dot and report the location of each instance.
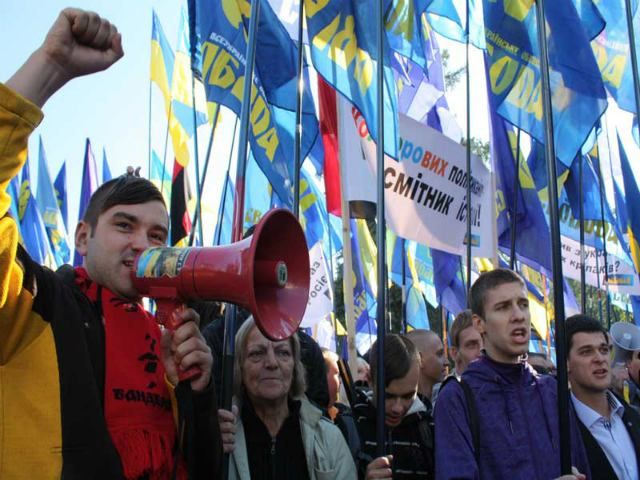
(468, 86)
(166, 144)
(583, 270)
(380, 240)
(238, 208)
(198, 213)
(601, 316)
(604, 242)
(298, 132)
(634, 56)
(149, 135)
(514, 211)
(347, 256)
(216, 237)
(404, 287)
(556, 247)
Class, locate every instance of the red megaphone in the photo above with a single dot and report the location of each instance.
(266, 273)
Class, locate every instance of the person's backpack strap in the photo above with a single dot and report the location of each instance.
(472, 414)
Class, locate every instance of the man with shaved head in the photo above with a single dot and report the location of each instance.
(432, 362)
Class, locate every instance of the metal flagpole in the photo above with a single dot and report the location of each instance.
(556, 247)
(197, 214)
(604, 243)
(583, 270)
(514, 211)
(380, 240)
(196, 151)
(238, 208)
(149, 136)
(166, 143)
(634, 55)
(404, 286)
(468, 161)
(216, 237)
(347, 255)
(298, 133)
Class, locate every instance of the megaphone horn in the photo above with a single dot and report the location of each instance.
(626, 339)
(267, 273)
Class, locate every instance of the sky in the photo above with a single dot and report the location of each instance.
(112, 108)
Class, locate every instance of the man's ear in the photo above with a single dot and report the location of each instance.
(83, 232)
(479, 323)
(453, 353)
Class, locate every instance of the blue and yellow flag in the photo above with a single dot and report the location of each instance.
(342, 37)
(50, 211)
(632, 195)
(223, 28)
(172, 73)
(160, 177)
(577, 91)
(404, 30)
(365, 326)
(532, 232)
(449, 19)
(106, 171)
(34, 234)
(224, 227)
(448, 282)
(60, 189)
(612, 51)
(14, 193)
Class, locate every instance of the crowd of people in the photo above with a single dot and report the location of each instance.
(90, 384)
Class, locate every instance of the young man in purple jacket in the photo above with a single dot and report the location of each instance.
(515, 414)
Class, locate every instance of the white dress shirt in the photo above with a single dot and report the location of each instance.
(612, 436)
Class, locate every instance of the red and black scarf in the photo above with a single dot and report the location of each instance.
(137, 403)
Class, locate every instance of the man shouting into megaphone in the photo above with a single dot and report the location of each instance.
(87, 377)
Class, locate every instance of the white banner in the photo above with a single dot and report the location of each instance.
(320, 302)
(359, 181)
(425, 192)
(622, 277)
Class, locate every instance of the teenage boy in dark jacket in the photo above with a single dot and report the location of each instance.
(410, 440)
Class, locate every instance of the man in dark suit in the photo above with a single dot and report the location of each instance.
(610, 428)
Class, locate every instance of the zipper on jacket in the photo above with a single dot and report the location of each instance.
(273, 458)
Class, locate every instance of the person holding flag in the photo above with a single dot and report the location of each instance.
(89, 381)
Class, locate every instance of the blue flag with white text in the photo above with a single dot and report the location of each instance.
(577, 91)
(344, 51)
(223, 28)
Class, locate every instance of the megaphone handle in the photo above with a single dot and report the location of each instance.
(165, 315)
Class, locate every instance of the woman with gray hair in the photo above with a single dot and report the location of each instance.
(277, 433)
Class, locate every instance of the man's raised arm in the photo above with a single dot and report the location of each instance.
(78, 43)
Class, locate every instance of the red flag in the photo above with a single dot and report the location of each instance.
(329, 131)
(180, 193)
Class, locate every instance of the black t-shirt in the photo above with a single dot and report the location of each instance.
(275, 458)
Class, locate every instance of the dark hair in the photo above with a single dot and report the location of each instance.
(462, 321)
(399, 356)
(488, 281)
(582, 323)
(124, 190)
